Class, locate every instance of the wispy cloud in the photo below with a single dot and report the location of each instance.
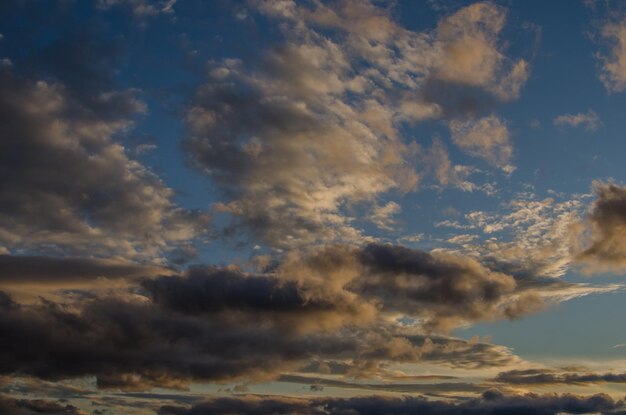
(589, 120)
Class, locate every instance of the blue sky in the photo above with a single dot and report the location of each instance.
(312, 206)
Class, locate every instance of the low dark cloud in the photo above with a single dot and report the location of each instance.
(14, 406)
(217, 325)
(607, 223)
(68, 187)
(550, 377)
(491, 402)
(55, 270)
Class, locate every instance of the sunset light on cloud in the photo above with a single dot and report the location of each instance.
(312, 207)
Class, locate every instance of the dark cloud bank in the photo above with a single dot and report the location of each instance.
(491, 403)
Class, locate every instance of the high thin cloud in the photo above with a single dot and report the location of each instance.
(316, 128)
(337, 304)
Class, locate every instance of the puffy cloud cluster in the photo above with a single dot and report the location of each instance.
(339, 304)
(68, 187)
(315, 129)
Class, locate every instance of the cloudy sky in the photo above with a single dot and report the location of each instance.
(312, 207)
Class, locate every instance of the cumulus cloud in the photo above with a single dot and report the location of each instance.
(605, 249)
(490, 402)
(487, 138)
(316, 127)
(211, 324)
(69, 187)
(589, 120)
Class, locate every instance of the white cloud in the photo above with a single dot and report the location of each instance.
(487, 138)
(589, 120)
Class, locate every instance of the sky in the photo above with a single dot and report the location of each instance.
(312, 207)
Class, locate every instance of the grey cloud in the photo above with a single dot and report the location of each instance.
(140, 8)
(68, 187)
(263, 297)
(606, 249)
(54, 270)
(218, 325)
(386, 387)
(316, 128)
(445, 290)
(14, 406)
(135, 345)
(491, 402)
(550, 377)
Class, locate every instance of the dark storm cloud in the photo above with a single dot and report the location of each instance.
(212, 291)
(445, 290)
(140, 345)
(490, 403)
(215, 325)
(549, 377)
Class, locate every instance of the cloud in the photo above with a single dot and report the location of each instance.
(337, 304)
(487, 138)
(437, 165)
(605, 249)
(66, 280)
(490, 402)
(444, 290)
(590, 120)
(67, 185)
(316, 127)
(211, 324)
(532, 236)
(382, 216)
(54, 270)
(140, 8)
(551, 377)
(613, 62)
(13, 406)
